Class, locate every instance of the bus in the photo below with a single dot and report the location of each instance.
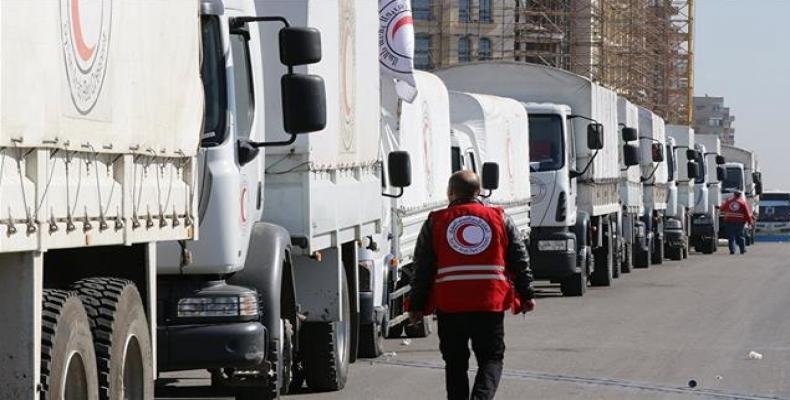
(773, 223)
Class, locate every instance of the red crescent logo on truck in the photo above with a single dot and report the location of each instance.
(85, 33)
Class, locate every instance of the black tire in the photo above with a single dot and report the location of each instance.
(642, 258)
(657, 255)
(395, 331)
(326, 352)
(254, 393)
(574, 285)
(371, 340)
(675, 253)
(603, 274)
(628, 260)
(710, 246)
(68, 360)
(122, 341)
(421, 329)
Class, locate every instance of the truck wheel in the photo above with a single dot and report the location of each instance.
(371, 340)
(287, 354)
(710, 245)
(675, 253)
(68, 360)
(657, 256)
(574, 285)
(642, 258)
(603, 274)
(121, 338)
(627, 259)
(421, 329)
(327, 348)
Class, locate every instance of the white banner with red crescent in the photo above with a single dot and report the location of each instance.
(396, 46)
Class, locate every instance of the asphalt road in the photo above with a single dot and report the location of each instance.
(645, 338)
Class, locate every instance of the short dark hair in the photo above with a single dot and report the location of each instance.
(464, 184)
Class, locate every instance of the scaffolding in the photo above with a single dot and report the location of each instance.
(643, 49)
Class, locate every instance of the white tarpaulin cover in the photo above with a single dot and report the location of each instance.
(500, 128)
(396, 45)
(102, 76)
(423, 130)
(653, 127)
(630, 184)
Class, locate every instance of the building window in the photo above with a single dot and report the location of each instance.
(714, 122)
(422, 9)
(463, 49)
(485, 11)
(484, 49)
(422, 51)
(464, 14)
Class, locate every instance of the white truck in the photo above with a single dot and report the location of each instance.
(494, 130)
(655, 174)
(422, 129)
(707, 194)
(99, 130)
(742, 175)
(574, 166)
(281, 243)
(633, 233)
(683, 171)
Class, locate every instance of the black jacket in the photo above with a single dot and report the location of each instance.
(516, 259)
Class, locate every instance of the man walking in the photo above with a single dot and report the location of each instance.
(471, 266)
(736, 214)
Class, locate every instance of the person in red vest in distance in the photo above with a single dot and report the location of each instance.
(736, 214)
(471, 266)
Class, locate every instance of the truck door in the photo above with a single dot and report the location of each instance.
(247, 86)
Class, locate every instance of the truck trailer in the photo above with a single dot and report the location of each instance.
(633, 238)
(99, 131)
(574, 166)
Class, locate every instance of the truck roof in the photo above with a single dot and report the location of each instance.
(546, 108)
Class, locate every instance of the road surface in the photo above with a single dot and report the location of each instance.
(647, 338)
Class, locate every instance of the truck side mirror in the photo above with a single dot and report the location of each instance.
(595, 136)
(758, 188)
(691, 154)
(304, 103)
(399, 169)
(657, 151)
(299, 46)
(631, 155)
(721, 173)
(720, 160)
(756, 177)
(630, 134)
(693, 170)
(490, 176)
(246, 151)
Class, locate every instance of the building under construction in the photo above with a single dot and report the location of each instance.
(640, 48)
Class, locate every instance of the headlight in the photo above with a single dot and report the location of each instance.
(245, 305)
(555, 245)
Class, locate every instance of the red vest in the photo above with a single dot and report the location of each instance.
(470, 242)
(736, 210)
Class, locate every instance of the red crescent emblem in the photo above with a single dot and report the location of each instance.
(405, 21)
(83, 49)
(459, 235)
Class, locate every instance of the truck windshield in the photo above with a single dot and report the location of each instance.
(734, 180)
(212, 71)
(546, 143)
(774, 213)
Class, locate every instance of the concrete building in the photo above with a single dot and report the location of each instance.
(449, 32)
(711, 116)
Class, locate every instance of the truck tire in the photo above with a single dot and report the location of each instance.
(603, 274)
(121, 338)
(709, 246)
(642, 258)
(628, 259)
(68, 359)
(327, 348)
(371, 340)
(574, 285)
(421, 329)
(657, 255)
(675, 253)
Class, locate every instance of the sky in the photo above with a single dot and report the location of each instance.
(743, 53)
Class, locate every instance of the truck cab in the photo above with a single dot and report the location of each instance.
(235, 325)
(707, 193)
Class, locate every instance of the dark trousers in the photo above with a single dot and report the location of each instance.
(486, 330)
(735, 234)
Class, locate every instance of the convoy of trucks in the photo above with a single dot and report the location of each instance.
(302, 192)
